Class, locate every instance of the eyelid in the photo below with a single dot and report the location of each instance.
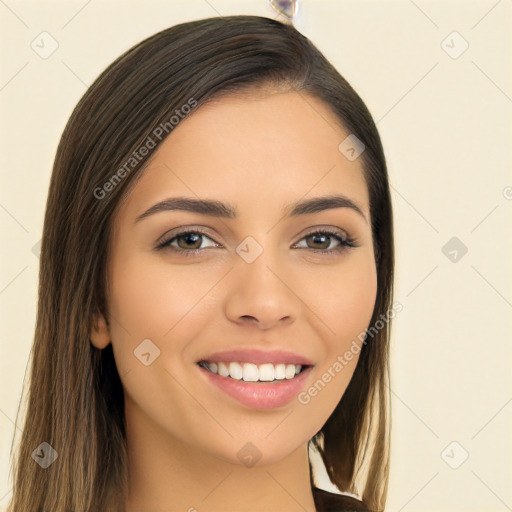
(167, 237)
(331, 229)
(185, 229)
(344, 239)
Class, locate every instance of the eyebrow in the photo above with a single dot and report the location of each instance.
(219, 209)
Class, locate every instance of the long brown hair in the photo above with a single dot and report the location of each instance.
(75, 401)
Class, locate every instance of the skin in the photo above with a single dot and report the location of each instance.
(258, 151)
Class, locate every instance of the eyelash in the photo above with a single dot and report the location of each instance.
(346, 243)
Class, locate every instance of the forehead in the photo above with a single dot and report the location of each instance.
(253, 148)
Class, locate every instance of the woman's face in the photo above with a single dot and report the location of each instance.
(257, 280)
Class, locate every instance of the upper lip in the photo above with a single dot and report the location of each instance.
(258, 356)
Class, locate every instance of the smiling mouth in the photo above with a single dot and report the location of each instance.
(250, 372)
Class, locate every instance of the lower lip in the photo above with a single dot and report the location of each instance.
(260, 395)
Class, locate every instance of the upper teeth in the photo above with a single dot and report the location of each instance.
(251, 372)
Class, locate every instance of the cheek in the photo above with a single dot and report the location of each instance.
(160, 303)
(146, 302)
(344, 298)
(154, 300)
(345, 307)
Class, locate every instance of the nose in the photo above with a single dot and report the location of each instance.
(262, 293)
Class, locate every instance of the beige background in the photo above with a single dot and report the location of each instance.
(446, 127)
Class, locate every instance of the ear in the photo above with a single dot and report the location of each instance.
(100, 336)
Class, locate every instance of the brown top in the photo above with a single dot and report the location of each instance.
(329, 502)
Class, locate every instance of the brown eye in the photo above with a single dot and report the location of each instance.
(320, 241)
(194, 239)
(187, 242)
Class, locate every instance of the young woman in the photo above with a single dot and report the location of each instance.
(215, 285)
